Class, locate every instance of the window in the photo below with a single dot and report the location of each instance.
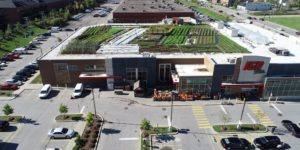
(227, 78)
(62, 66)
(164, 72)
(134, 74)
(94, 67)
(72, 67)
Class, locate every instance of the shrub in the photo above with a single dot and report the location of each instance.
(86, 135)
(94, 140)
(145, 125)
(7, 109)
(88, 131)
(89, 119)
(79, 142)
(95, 135)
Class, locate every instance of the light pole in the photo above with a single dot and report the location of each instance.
(41, 49)
(174, 93)
(94, 102)
(240, 121)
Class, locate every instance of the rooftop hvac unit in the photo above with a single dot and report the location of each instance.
(124, 8)
(146, 54)
(231, 60)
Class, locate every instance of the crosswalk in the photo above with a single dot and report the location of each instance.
(200, 116)
(260, 114)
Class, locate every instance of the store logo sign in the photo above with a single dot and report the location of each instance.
(253, 65)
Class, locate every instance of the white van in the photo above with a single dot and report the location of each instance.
(20, 50)
(45, 91)
(55, 29)
(78, 90)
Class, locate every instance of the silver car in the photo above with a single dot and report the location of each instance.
(13, 81)
(61, 133)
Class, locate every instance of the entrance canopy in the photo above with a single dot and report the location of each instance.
(240, 84)
(97, 75)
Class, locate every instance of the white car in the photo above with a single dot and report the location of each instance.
(61, 133)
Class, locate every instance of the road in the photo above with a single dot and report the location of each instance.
(265, 24)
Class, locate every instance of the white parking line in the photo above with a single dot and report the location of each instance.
(223, 109)
(82, 109)
(276, 108)
(129, 139)
(253, 120)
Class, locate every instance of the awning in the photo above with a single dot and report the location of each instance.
(240, 84)
(97, 75)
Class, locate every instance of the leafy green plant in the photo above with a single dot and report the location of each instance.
(89, 119)
(63, 109)
(7, 109)
(145, 125)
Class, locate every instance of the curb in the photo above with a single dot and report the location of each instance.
(100, 131)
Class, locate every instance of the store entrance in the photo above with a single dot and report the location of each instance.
(251, 93)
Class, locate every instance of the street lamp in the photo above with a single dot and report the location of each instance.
(174, 93)
(240, 121)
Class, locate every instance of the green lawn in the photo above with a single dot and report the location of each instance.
(11, 118)
(206, 12)
(291, 22)
(19, 40)
(37, 79)
(69, 117)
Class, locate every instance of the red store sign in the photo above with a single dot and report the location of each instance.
(253, 65)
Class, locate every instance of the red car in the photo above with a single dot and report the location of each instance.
(14, 55)
(6, 86)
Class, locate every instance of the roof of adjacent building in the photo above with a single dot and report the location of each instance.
(150, 6)
(192, 70)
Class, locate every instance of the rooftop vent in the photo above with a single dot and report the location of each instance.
(231, 60)
(123, 8)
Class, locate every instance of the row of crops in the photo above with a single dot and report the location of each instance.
(89, 41)
(228, 46)
(180, 31)
(203, 40)
(202, 32)
(174, 40)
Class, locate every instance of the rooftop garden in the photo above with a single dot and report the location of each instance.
(89, 41)
(200, 38)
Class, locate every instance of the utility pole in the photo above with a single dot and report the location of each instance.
(240, 121)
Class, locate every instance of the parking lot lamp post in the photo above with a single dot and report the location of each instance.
(174, 93)
(240, 121)
(94, 102)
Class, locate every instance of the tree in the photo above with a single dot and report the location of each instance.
(63, 109)
(81, 7)
(8, 31)
(225, 119)
(1, 35)
(7, 109)
(87, 3)
(145, 125)
(18, 27)
(67, 14)
(236, 3)
(89, 119)
(76, 6)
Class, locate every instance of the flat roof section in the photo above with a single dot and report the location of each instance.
(192, 70)
(153, 6)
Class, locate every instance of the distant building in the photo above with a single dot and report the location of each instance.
(12, 11)
(150, 11)
(259, 6)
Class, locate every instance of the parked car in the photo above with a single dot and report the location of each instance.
(31, 66)
(292, 127)
(31, 71)
(61, 133)
(6, 86)
(47, 33)
(19, 78)
(96, 15)
(68, 29)
(23, 73)
(3, 64)
(20, 50)
(298, 33)
(7, 58)
(34, 63)
(14, 81)
(268, 142)
(235, 143)
(45, 91)
(30, 46)
(3, 125)
(13, 55)
(88, 10)
(55, 29)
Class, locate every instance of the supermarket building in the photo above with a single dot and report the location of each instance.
(210, 75)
